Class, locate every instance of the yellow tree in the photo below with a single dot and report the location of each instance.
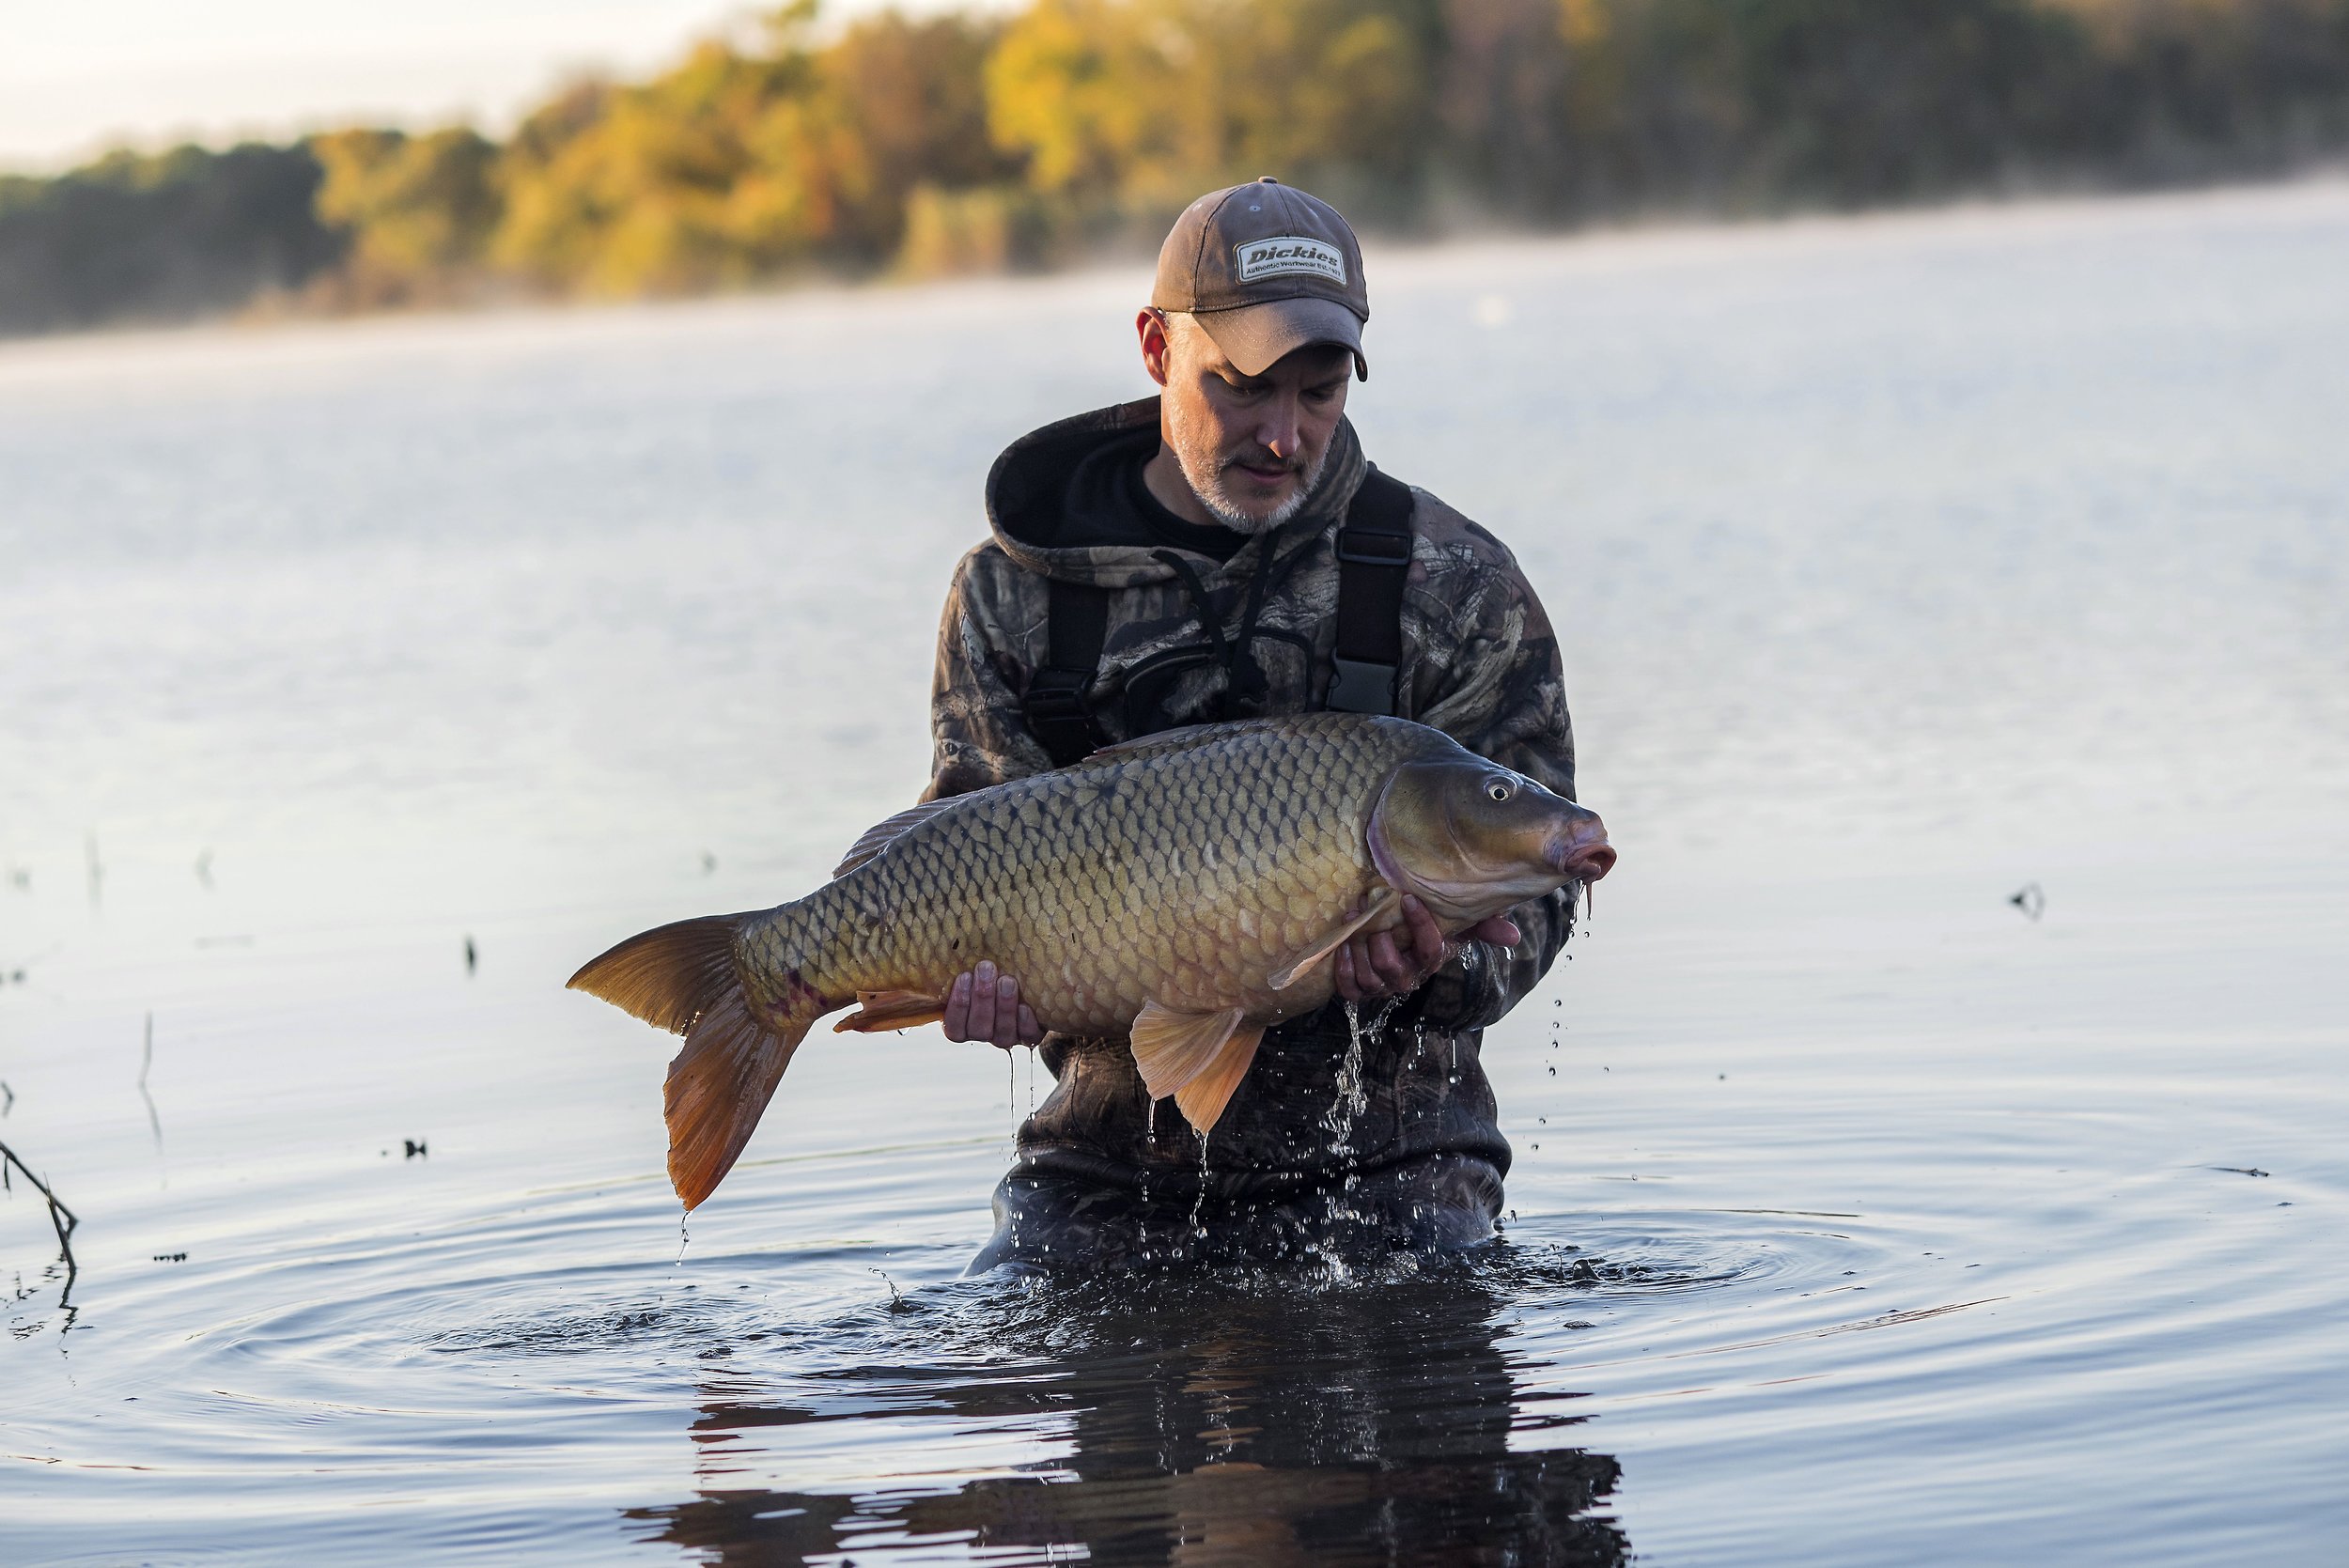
(418, 211)
(731, 166)
(1133, 106)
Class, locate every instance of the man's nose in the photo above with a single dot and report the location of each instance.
(1279, 432)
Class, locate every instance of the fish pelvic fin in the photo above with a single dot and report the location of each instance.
(1170, 1048)
(1203, 1099)
(685, 978)
(880, 1010)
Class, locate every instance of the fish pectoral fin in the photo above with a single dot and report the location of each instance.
(1282, 978)
(1203, 1099)
(1172, 1048)
(879, 1010)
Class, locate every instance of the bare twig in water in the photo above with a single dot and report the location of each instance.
(59, 1216)
(7, 1098)
(147, 1060)
(472, 957)
(2028, 899)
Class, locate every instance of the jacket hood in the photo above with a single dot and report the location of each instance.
(1028, 499)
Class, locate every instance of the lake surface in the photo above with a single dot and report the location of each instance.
(1859, 1216)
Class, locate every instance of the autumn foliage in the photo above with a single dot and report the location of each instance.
(991, 139)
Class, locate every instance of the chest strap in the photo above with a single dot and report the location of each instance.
(1077, 620)
(1374, 558)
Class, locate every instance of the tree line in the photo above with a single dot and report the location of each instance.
(991, 139)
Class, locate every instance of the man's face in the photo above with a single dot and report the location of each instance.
(1251, 446)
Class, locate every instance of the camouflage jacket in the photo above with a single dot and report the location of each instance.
(1479, 661)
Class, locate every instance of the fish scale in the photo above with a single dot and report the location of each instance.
(1187, 888)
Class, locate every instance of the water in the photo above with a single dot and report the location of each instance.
(1898, 564)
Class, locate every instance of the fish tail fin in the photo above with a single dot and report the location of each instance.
(686, 978)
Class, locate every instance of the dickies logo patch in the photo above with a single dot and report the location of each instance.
(1289, 253)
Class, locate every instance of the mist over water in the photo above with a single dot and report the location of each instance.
(1857, 1217)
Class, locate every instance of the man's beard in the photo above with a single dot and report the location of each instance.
(1202, 471)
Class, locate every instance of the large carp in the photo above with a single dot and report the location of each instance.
(1189, 889)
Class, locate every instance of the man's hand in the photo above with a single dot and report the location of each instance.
(1373, 968)
(983, 1004)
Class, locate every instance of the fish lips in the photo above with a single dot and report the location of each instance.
(1579, 848)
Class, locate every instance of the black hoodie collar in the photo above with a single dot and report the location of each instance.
(1029, 494)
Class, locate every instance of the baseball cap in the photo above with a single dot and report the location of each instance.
(1265, 268)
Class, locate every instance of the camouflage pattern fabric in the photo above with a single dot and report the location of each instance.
(1302, 1163)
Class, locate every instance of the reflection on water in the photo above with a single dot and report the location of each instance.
(1241, 1421)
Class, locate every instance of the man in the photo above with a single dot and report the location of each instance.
(1221, 551)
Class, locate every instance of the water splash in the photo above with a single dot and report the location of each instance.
(1352, 1097)
(1345, 1109)
(1199, 1204)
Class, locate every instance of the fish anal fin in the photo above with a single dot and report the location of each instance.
(1203, 1099)
(877, 837)
(879, 1010)
(1281, 980)
(1170, 1048)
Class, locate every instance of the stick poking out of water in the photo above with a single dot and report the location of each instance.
(59, 1216)
(147, 1060)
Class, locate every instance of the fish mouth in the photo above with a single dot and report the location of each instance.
(1581, 850)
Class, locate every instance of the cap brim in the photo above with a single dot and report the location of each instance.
(1257, 337)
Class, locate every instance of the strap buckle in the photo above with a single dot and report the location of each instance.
(1361, 545)
(1058, 696)
(1359, 687)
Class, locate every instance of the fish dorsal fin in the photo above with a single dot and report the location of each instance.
(879, 1010)
(1181, 739)
(1203, 1099)
(877, 838)
(1282, 978)
(1172, 1048)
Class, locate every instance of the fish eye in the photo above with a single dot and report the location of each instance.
(1496, 790)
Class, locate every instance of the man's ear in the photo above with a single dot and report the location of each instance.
(1151, 328)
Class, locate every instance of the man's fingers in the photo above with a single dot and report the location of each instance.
(1348, 985)
(1426, 939)
(957, 1019)
(983, 1001)
(1006, 1011)
(1500, 930)
(1391, 966)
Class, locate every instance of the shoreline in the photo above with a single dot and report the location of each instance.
(1659, 240)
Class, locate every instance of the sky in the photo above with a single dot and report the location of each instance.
(78, 75)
